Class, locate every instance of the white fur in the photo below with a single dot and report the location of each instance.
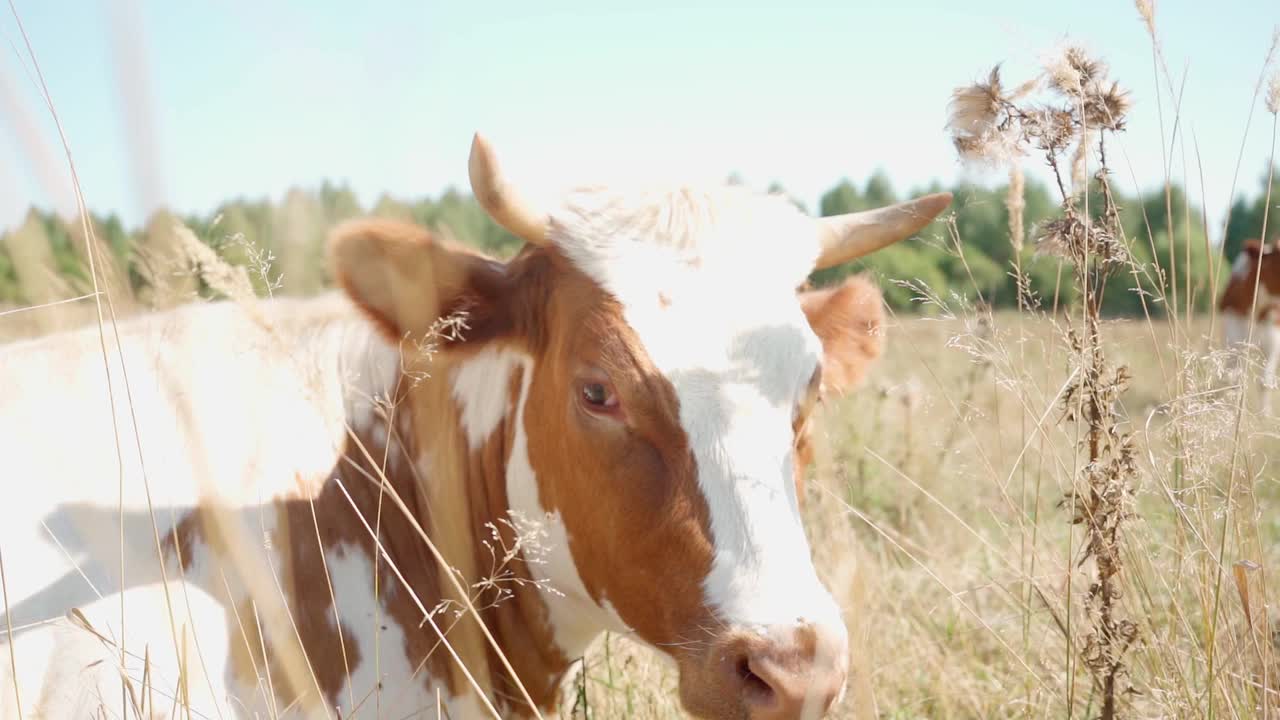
(381, 659)
(481, 391)
(707, 281)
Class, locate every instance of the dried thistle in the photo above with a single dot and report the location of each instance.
(979, 125)
(1079, 240)
(1091, 69)
(975, 108)
(991, 126)
(1064, 77)
(1081, 79)
(1106, 108)
(1050, 128)
(1085, 106)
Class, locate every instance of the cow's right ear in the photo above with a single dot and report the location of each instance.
(849, 320)
(404, 279)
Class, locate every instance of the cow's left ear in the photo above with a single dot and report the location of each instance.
(849, 319)
(404, 278)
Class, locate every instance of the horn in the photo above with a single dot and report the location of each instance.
(500, 199)
(852, 235)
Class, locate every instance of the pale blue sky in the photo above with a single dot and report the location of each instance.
(239, 97)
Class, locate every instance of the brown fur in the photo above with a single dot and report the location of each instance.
(849, 319)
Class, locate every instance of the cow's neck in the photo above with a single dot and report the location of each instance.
(456, 455)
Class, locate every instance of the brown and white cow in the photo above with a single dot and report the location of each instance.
(1247, 320)
(611, 444)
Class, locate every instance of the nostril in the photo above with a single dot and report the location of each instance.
(754, 688)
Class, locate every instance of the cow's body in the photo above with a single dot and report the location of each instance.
(614, 443)
(261, 428)
(1253, 318)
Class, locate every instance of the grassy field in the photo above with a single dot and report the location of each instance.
(940, 517)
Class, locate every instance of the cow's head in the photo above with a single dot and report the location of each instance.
(1256, 265)
(673, 368)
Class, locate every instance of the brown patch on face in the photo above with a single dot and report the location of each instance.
(626, 486)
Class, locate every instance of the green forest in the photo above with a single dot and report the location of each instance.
(970, 253)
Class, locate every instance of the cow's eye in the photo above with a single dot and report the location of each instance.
(598, 396)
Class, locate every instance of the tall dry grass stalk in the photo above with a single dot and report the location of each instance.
(1077, 109)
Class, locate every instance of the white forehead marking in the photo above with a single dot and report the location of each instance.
(722, 264)
(707, 281)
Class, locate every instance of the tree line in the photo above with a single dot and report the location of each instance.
(972, 254)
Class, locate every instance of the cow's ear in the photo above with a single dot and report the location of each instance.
(1253, 247)
(849, 319)
(404, 279)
